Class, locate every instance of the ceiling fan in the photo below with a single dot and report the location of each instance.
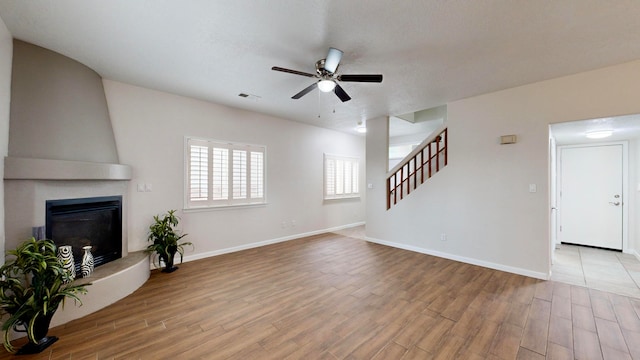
(327, 77)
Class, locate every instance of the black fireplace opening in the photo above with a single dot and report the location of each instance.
(95, 221)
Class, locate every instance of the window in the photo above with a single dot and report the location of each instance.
(341, 177)
(223, 174)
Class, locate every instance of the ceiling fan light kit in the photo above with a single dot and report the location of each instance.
(327, 78)
(326, 85)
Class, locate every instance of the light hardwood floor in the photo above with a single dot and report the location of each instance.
(337, 297)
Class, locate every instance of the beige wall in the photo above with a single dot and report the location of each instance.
(150, 127)
(481, 200)
(53, 94)
(6, 51)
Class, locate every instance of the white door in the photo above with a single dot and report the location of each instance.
(591, 196)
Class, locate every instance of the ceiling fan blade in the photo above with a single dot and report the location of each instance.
(361, 78)
(295, 72)
(333, 60)
(341, 93)
(305, 91)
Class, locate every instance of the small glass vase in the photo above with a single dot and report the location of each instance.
(87, 262)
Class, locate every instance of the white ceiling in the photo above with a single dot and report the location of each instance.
(570, 133)
(430, 51)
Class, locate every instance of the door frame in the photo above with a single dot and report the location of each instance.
(553, 199)
(625, 186)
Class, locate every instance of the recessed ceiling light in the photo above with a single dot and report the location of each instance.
(599, 134)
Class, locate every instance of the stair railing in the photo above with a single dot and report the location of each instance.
(422, 163)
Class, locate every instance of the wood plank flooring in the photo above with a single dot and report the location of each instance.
(336, 297)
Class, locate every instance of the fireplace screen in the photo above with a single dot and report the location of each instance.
(88, 221)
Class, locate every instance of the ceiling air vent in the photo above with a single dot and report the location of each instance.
(250, 96)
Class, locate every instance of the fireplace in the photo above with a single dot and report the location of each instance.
(95, 221)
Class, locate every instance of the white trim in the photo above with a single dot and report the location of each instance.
(224, 207)
(486, 264)
(634, 253)
(490, 265)
(208, 254)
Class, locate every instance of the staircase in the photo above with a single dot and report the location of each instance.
(421, 164)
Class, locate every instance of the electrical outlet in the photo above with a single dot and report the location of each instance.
(293, 223)
(148, 187)
(140, 187)
(284, 224)
(443, 237)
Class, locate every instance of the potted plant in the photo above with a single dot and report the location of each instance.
(165, 240)
(33, 283)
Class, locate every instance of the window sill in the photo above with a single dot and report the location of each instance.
(223, 207)
(342, 198)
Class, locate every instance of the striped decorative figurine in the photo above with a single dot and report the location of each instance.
(65, 256)
(87, 262)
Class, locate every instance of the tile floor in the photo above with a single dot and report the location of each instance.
(604, 270)
(598, 269)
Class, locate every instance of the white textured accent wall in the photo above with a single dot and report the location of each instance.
(58, 109)
(150, 127)
(481, 200)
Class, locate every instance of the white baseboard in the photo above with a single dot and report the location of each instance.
(267, 242)
(490, 265)
(634, 253)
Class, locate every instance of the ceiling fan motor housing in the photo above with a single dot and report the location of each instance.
(322, 72)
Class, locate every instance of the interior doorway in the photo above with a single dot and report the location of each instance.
(585, 264)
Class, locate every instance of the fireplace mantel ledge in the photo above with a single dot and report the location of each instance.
(16, 168)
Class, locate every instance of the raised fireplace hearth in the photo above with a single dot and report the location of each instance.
(95, 222)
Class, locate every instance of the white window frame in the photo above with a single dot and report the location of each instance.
(226, 192)
(341, 177)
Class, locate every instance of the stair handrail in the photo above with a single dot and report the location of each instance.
(406, 171)
(418, 148)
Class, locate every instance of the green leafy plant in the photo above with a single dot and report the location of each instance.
(33, 284)
(166, 239)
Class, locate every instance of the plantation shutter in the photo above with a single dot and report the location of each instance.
(223, 174)
(198, 172)
(341, 177)
(257, 175)
(220, 174)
